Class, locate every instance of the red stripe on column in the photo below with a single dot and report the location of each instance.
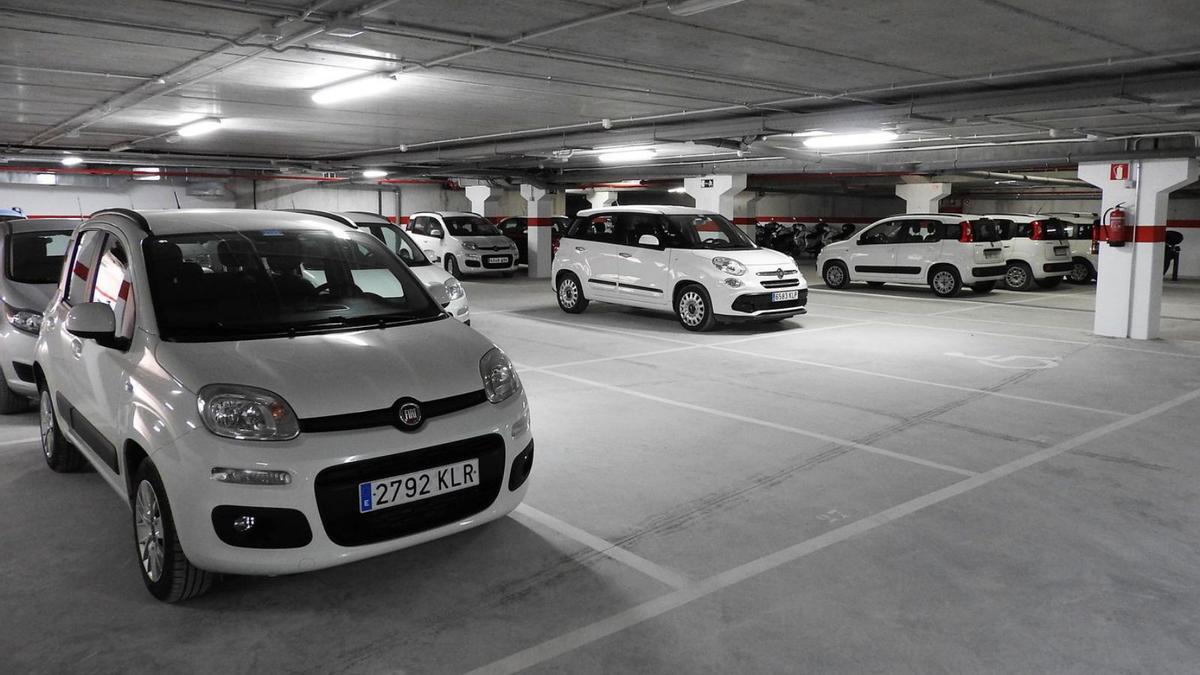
(540, 222)
(744, 221)
(403, 220)
(1150, 234)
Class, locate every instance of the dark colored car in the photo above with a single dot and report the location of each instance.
(517, 229)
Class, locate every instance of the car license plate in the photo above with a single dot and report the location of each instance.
(418, 485)
(502, 259)
(784, 296)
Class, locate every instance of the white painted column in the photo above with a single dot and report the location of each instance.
(922, 197)
(540, 218)
(485, 200)
(745, 211)
(1129, 278)
(717, 193)
(601, 198)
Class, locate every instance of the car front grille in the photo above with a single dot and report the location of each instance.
(757, 302)
(338, 496)
(386, 417)
(786, 283)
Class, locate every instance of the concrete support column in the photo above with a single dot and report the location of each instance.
(745, 211)
(922, 197)
(540, 218)
(601, 198)
(485, 200)
(717, 193)
(1129, 278)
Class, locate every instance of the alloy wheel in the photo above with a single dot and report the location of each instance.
(568, 293)
(148, 523)
(834, 276)
(46, 418)
(1016, 277)
(1080, 273)
(943, 282)
(692, 308)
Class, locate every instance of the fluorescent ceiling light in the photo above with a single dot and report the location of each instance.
(810, 134)
(72, 160)
(147, 173)
(690, 7)
(199, 127)
(344, 28)
(374, 173)
(678, 190)
(360, 88)
(45, 179)
(851, 140)
(626, 155)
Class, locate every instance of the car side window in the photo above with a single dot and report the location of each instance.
(113, 285)
(417, 225)
(83, 266)
(884, 233)
(601, 227)
(632, 226)
(919, 232)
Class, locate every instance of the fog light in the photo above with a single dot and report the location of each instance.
(733, 283)
(243, 524)
(251, 476)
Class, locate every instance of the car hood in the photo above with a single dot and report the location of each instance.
(434, 278)
(759, 258)
(28, 296)
(337, 373)
(498, 240)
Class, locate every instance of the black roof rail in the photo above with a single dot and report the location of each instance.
(324, 214)
(137, 218)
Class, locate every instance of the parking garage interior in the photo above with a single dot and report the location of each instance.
(888, 481)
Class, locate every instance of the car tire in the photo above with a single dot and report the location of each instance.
(1082, 272)
(835, 275)
(983, 287)
(1018, 277)
(570, 294)
(165, 569)
(945, 281)
(1049, 282)
(60, 455)
(452, 267)
(694, 309)
(875, 284)
(11, 402)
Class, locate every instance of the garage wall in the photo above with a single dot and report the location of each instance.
(72, 200)
(392, 200)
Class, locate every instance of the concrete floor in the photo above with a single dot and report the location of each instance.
(893, 483)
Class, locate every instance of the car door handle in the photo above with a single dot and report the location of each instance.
(580, 249)
(625, 255)
(77, 347)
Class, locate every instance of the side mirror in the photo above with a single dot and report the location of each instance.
(436, 233)
(433, 257)
(648, 240)
(92, 321)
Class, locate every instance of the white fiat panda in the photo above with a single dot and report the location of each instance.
(467, 243)
(1036, 250)
(257, 423)
(944, 250)
(689, 261)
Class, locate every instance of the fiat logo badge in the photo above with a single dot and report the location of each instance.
(779, 272)
(408, 414)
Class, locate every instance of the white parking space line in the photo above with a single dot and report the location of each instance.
(928, 383)
(667, 576)
(762, 423)
(581, 637)
(603, 329)
(13, 446)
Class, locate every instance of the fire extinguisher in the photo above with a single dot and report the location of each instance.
(1115, 231)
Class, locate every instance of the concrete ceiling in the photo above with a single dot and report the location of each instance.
(511, 88)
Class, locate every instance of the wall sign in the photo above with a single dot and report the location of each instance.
(1118, 171)
(706, 182)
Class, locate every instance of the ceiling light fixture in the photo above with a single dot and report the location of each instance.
(120, 147)
(851, 140)
(626, 155)
(199, 127)
(362, 87)
(147, 173)
(374, 173)
(343, 27)
(811, 134)
(678, 190)
(72, 160)
(690, 7)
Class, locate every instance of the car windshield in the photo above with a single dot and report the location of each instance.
(707, 230)
(244, 284)
(36, 257)
(470, 226)
(398, 241)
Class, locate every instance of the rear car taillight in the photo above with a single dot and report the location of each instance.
(1037, 233)
(965, 236)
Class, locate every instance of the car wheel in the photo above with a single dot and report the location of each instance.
(1050, 282)
(166, 571)
(875, 284)
(945, 282)
(694, 309)
(983, 287)
(452, 267)
(10, 401)
(60, 455)
(836, 275)
(1081, 271)
(570, 295)
(1018, 277)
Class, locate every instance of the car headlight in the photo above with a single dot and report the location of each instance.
(500, 380)
(24, 320)
(470, 245)
(729, 266)
(454, 288)
(246, 413)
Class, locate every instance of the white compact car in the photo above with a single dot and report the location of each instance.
(258, 423)
(1084, 261)
(466, 243)
(444, 287)
(692, 262)
(31, 253)
(1035, 250)
(944, 250)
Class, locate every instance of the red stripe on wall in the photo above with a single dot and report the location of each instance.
(540, 222)
(1183, 223)
(1150, 234)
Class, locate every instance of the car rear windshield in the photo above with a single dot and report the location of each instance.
(36, 257)
(245, 284)
(470, 226)
(988, 229)
(1052, 228)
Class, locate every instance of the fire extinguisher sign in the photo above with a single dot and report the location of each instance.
(1118, 171)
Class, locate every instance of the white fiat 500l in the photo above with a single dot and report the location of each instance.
(444, 287)
(258, 423)
(31, 253)
(467, 243)
(692, 262)
(1036, 250)
(945, 251)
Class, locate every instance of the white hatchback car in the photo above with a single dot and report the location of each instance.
(1035, 250)
(466, 243)
(256, 423)
(692, 262)
(944, 250)
(444, 287)
(1084, 260)
(31, 253)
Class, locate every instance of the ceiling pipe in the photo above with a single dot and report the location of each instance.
(1026, 178)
